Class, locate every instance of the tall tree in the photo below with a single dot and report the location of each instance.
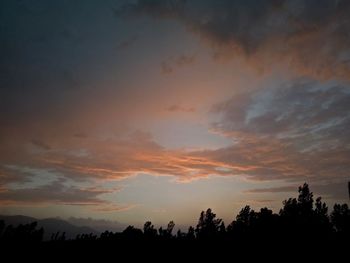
(208, 225)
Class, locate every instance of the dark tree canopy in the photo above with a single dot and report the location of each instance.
(208, 225)
(302, 218)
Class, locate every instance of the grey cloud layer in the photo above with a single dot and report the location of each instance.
(303, 110)
(56, 193)
(311, 37)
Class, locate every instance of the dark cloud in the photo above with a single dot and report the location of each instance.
(178, 108)
(172, 63)
(127, 43)
(41, 144)
(336, 190)
(55, 193)
(280, 189)
(10, 175)
(310, 36)
(166, 68)
(81, 135)
(184, 60)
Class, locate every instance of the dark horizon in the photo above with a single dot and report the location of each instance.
(304, 213)
(100, 225)
(155, 110)
(303, 228)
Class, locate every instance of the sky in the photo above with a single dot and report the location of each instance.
(159, 109)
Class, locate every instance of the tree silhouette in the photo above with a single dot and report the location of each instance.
(167, 233)
(303, 219)
(191, 233)
(321, 220)
(305, 200)
(341, 218)
(22, 233)
(208, 225)
(132, 233)
(2, 227)
(149, 231)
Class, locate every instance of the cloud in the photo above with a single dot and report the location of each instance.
(112, 208)
(294, 132)
(184, 60)
(297, 132)
(333, 189)
(116, 159)
(81, 135)
(178, 108)
(59, 193)
(259, 159)
(310, 37)
(41, 144)
(21, 175)
(293, 111)
(281, 189)
(168, 66)
(127, 43)
(56, 193)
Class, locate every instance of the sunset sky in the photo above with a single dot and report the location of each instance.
(156, 110)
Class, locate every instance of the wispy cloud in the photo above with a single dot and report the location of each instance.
(112, 208)
(295, 133)
(60, 193)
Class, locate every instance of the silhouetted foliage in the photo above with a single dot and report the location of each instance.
(167, 233)
(132, 233)
(341, 218)
(21, 233)
(2, 227)
(300, 218)
(191, 233)
(149, 231)
(208, 225)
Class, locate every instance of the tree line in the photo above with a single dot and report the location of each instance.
(298, 218)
